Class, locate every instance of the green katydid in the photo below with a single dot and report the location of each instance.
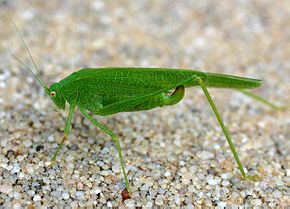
(107, 91)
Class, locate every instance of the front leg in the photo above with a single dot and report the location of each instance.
(66, 133)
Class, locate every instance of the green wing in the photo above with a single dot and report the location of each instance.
(101, 87)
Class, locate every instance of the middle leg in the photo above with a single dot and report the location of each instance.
(116, 141)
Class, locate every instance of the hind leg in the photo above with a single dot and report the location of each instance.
(225, 131)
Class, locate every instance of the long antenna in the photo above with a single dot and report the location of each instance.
(36, 76)
(31, 72)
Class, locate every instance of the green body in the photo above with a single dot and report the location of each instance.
(95, 88)
(106, 91)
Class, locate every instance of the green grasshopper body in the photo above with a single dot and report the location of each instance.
(94, 89)
(106, 91)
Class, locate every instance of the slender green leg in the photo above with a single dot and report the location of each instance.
(214, 108)
(116, 141)
(66, 133)
(262, 100)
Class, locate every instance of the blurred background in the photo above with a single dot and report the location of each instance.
(241, 37)
(248, 38)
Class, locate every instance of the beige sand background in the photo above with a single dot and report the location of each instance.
(176, 156)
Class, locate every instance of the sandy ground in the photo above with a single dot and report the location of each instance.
(176, 156)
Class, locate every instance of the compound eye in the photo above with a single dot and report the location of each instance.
(53, 94)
